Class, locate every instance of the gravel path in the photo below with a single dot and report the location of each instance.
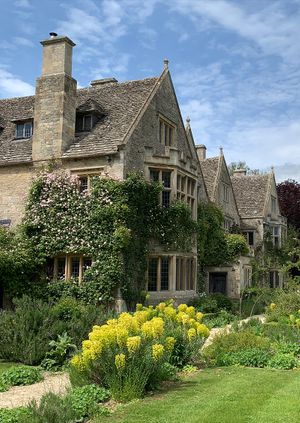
(18, 396)
(226, 329)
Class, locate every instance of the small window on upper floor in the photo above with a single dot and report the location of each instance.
(84, 123)
(24, 130)
(166, 133)
(225, 193)
(249, 236)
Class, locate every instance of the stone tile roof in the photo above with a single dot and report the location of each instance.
(120, 102)
(13, 109)
(251, 193)
(210, 172)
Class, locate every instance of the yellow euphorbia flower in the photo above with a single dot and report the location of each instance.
(272, 306)
(77, 362)
(170, 312)
(161, 306)
(191, 311)
(133, 343)
(182, 307)
(192, 333)
(157, 351)
(120, 361)
(169, 343)
(153, 328)
(202, 330)
(199, 316)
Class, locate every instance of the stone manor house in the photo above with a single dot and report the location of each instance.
(112, 129)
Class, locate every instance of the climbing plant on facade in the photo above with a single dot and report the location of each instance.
(113, 223)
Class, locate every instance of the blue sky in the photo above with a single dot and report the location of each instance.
(235, 64)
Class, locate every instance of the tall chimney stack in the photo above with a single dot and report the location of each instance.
(201, 152)
(55, 100)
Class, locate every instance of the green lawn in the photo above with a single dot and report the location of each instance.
(227, 395)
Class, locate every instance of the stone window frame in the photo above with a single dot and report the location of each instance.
(24, 133)
(68, 273)
(225, 193)
(247, 276)
(166, 131)
(185, 273)
(273, 204)
(85, 177)
(84, 127)
(186, 190)
(275, 235)
(274, 278)
(157, 271)
(164, 200)
(248, 237)
(178, 264)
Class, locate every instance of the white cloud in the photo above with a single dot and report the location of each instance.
(272, 28)
(23, 4)
(287, 171)
(11, 85)
(21, 41)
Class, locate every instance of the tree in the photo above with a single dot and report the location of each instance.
(289, 201)
(242, 165)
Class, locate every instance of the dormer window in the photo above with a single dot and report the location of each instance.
(84, 122)
(24, 130)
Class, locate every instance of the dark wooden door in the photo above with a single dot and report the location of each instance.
(217, 282)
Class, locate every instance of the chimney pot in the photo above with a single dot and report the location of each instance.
(201, 152)
(52, 34)
(239, 172)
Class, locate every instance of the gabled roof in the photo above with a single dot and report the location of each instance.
(210, 170)
(121, 102)
(251, 193)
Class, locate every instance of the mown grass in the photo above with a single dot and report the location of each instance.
(227, 395)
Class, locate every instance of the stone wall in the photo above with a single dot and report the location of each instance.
(14, 186)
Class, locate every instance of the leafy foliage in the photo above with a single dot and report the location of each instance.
(25, 332)
(20, 375)
(113, 224)
(15, 415)
(59, 353)
(19, 264)
(289, 201)
(215, 247)
(129, 353)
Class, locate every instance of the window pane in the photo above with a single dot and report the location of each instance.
(152, 274)
(75, 264)
(79, 123)
(164, 274)
(28, 130)
(87, 262)
(170, 135)
(19, 131)
(87, 123)
(166, 198)
(61, 268)
(178, 274)
(250, 238)
(154, 175)
(166, 179)
(83, 183)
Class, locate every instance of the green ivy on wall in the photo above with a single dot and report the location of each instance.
(215, 247)
(113, 224)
